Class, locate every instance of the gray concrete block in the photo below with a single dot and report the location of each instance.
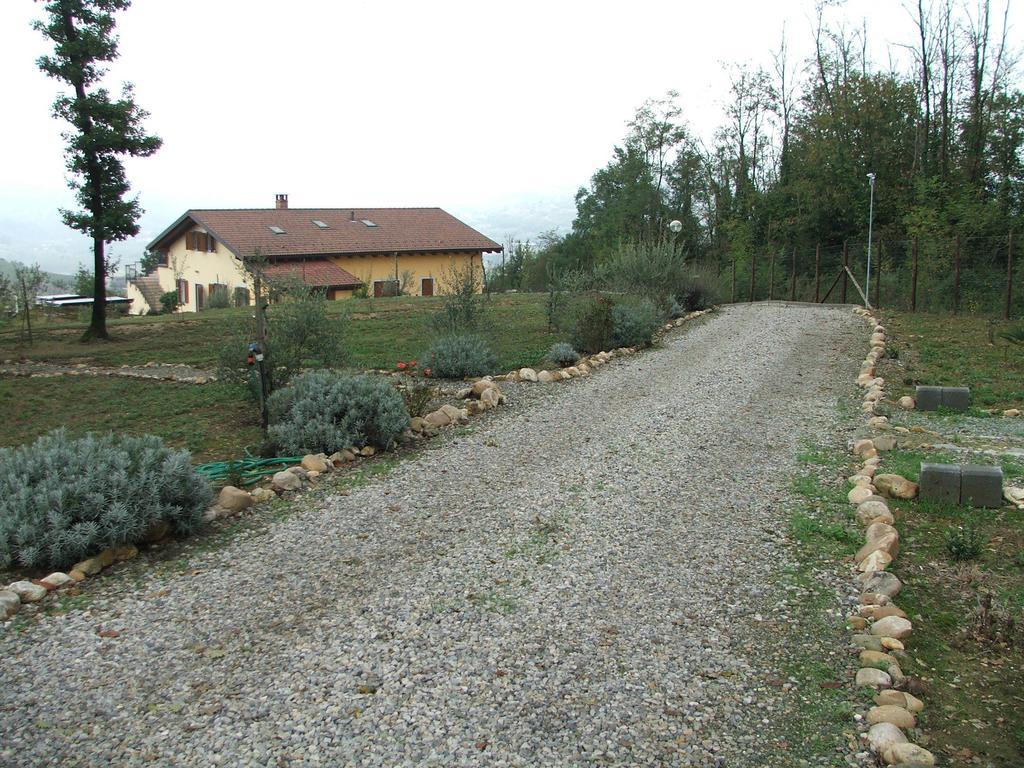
(956, 398)
(940, 482)
(981, 486)
(928, 398)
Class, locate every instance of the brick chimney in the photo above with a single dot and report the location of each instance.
(280, 201)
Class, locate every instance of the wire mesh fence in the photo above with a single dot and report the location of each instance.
(971, 275)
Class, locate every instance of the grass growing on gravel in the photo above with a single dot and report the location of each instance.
(821, 528)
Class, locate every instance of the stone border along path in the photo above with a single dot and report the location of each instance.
(179, 372)
(590, 578)
(880, 626)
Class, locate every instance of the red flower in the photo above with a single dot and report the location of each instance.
(412, 363)
(401, 366)
(426, 371)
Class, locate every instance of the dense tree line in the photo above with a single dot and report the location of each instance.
(788, 165)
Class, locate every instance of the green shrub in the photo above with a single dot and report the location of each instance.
(634, 323)
(458, 356)
(964, 543)
(593, 325)
(462, 306)
(321, 411)
(169, 302)
(64, 499)
(219, 299)
(563, 354)
(300, 335)
(695, 294)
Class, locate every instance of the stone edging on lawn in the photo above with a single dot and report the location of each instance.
(484, 394)
(880, 627)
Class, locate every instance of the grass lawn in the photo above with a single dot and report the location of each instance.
(963, 351)
(218, 421)
(971, 663)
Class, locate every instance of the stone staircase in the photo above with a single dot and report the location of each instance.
(149, 287)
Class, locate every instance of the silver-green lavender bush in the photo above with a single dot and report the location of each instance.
(321, 411)
(64, 499)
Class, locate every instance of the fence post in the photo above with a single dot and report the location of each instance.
(878, 276)
(956, 277)
(1009, 277)
(913, 281)
(846, 266)
(753, 271)
(771, 276)
(792, 277)
(817, 273)
(734, 279)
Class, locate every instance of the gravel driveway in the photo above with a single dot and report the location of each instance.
(581, 580)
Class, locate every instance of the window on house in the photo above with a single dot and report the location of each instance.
(200, 296)
(368, 223)
(320, 224)
(200, 241)
(276, 230)
(183, 292)
(385, 288)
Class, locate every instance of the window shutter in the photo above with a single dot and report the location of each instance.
(189, 240)
(211, 243)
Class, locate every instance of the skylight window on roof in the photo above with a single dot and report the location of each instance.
(320, 224)
(276, 230)
(368, 223)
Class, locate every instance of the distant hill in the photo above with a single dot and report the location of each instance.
(55, 282)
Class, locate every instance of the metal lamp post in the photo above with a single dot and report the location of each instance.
(871, 217)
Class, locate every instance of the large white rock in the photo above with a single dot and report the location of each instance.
(286, 481)
(907, 403)
(546, 377)
(861, 493)
(875, 678)
(889, 713)
(527, 374)
(892, 626)
(28, 592)
(57, 579)
(10, 604)
(883, 736)
(490, 397)
(908, 754)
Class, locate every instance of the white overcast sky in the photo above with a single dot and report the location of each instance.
(496, 111)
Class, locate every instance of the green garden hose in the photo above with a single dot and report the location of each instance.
(244, 471)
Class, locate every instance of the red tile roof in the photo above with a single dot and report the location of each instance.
(404, 230)
(319, 273)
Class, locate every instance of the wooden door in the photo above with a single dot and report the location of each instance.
(200, 296)
(378, 288)
(428, 286)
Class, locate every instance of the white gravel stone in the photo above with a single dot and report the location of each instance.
(594, 576)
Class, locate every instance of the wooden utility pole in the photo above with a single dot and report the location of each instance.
(846, 266)
(817, 273)
(1009, 277)
(913, 281)
(792, 277)
(956, 277)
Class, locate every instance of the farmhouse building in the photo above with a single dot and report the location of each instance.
(384, 251)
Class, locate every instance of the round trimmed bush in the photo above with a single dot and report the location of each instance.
(322, 412)
(563, 354)
(63, 499)
(458, 356)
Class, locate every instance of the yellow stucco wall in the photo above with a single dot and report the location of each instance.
(196, 267)
(419, 265)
